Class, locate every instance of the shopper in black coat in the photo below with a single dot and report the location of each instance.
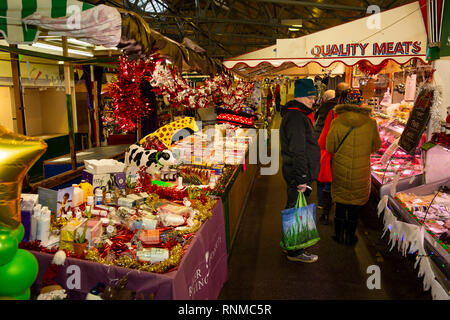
(300, 150)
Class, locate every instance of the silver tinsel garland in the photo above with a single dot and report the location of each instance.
(436, 114)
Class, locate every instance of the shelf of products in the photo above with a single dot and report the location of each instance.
(385, 166)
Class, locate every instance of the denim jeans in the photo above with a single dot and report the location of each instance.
(321, 188)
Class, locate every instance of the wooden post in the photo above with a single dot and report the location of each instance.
(67, 77)
(348, 75)
(96, 106)
(18, 92)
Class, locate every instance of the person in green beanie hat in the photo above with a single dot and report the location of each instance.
(300, 151)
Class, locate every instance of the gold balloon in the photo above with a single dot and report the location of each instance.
(17, 154)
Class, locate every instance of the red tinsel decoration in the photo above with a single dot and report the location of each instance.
(136, 78)
(130, 102)
(370, 69)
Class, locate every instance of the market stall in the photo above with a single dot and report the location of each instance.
(158, 216)
(385, 62)
(200, 274)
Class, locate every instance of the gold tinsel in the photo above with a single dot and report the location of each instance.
(204, 213)
(162, 267)
(130, 263)
(57, 224)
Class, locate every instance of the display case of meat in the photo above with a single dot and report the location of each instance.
(429, 205)
(388, 162)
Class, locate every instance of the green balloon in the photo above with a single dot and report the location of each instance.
(8, 248)
(18, 233)
(19, 274)
(23, 296)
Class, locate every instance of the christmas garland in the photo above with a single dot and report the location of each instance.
(130, 91)
(369, 69)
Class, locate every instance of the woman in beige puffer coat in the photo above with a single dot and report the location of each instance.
(351, 171)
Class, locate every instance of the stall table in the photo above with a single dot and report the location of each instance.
(440, 256)
(200, 275)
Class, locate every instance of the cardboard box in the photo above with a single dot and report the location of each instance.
(26, 212)
(120, 180)
(93, 232)
(97, 180)
(138, 199)
(68, 234)
(126, 202)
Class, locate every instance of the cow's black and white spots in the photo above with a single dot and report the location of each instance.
(136, 157)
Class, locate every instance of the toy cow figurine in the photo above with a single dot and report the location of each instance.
(136, 156)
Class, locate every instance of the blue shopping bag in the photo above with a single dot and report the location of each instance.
(299, 225)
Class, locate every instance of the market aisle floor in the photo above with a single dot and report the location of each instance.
(259, 270)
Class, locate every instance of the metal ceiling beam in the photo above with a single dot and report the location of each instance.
(239, 21)
(314, 4)
(249, 22)
(190, 23)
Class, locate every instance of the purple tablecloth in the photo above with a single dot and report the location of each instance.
(202, 272)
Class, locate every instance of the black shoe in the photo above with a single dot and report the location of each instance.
(339, 227)
(350, 237)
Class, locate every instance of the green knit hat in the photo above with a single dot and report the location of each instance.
(304, 88)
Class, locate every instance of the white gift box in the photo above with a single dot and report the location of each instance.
(103, 166)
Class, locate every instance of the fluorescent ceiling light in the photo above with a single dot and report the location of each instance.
(55, 48)
(292, 22)
(79, 42)
(293, 29)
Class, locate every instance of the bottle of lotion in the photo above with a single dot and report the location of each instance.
(45, 227)
(78, 194)
(36, 214)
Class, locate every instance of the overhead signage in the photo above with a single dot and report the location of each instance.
(365, 49)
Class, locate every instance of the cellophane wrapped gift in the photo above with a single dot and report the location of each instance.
(68, 234)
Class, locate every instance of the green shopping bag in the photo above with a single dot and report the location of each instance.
(299, 225)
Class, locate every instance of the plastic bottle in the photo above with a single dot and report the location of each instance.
(39, 224)
(108, 198)
(98, 196)
(78, 194)
(90, 200)
(87, 190)
(45, 227)
(36, 214)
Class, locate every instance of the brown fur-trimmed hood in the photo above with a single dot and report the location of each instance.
(340, 108)
(352, 115)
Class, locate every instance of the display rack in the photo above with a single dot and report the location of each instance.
(409, 168)
(436, 249)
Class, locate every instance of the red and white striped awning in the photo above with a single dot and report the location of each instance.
(398, 34)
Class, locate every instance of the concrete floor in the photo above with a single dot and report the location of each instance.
(259, 270)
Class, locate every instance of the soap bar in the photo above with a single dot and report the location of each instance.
(153, 255)
(138, 199)
(126, 202)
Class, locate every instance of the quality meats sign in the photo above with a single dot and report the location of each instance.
(365, 49)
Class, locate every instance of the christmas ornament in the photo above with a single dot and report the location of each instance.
(369, 69)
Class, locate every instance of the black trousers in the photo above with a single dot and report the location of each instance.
(347, 211)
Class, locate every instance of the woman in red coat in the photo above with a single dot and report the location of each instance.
(324, 178)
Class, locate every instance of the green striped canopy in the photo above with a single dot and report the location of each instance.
(13, 11)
